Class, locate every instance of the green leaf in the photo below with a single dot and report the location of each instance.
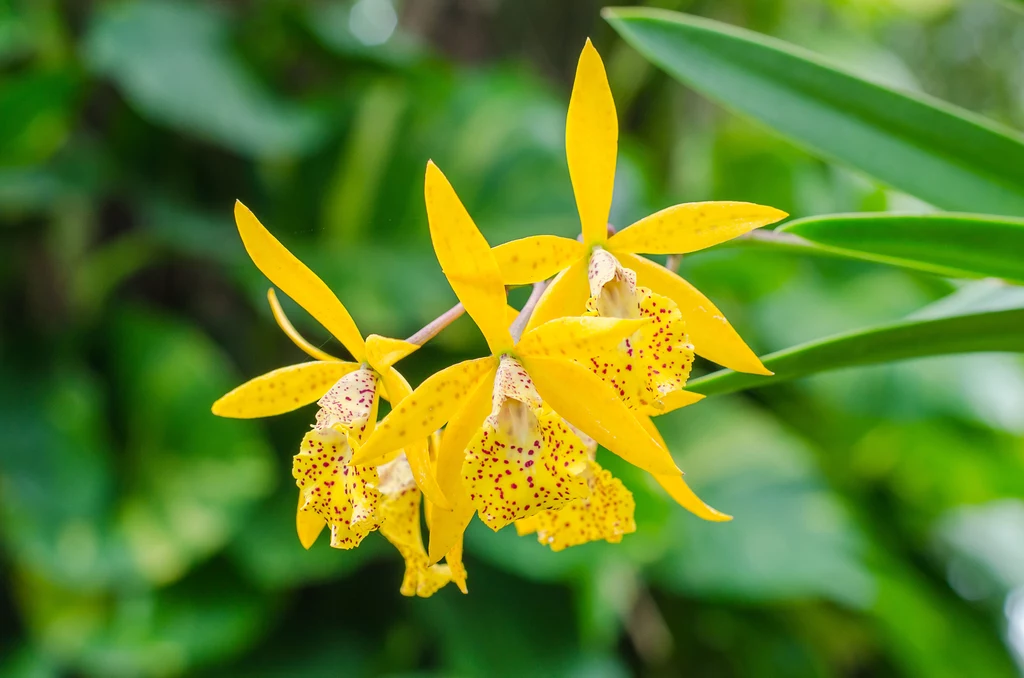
(196, 478)
(272, 557)
(930, 149)
(35, 113)
(172, 63)
(748, 465)
(957, 245)
(975, 319)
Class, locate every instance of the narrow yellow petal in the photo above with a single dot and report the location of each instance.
(578, 338)
(296, 280)
(591, 144)
(382, 352)
(671, 402)
(594, 407)
(416, 451)
(511, 313)
(289, 329)
(453, 558)
(400, 513)
(460, 430)
(711, 334)
(427, 409)
(688, 499)
(693, 226)
(466, 260)
(283, 390)
(530, 260)
(309, 524)
(566, 296)
(447, 528)
(677, 487)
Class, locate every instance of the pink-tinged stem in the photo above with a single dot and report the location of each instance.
(519, 324)
(434, 327)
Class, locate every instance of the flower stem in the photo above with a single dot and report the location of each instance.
(519, 324)
(434, 327)
(673, 261)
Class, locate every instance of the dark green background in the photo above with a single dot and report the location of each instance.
(879, 524)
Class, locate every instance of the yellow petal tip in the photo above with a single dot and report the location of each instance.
(361, 458)
(433, 558)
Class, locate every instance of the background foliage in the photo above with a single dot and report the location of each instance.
(879, 522)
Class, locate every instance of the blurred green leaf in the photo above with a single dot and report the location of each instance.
(171, 61)
(931, 636)
(790, 537)
(28, 189)
(272, 556)
(56, 471)
(947, 328)
(331, 24)
(947, 156)
(956, 245)
(504, 628)
(985, 551)
(195, 476)
(35, 112)
(145, 632)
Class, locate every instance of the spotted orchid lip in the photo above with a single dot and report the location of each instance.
(607, 513)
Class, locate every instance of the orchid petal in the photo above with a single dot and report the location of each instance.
(282, 390)
(296, 280)
(453, 559)
(417, 451)
(461, 429)
(308, 524)
(289, 329)
(383, 352)
(675, 400)
(344, 494)
(512, 472)
(606, 514)
(466, 260)
(427, 409)
(565, 296)
(536, 258)
(400, 515)
(711, 334)
(677, 487)
(594, 407)
(577, 337)
(654, 361)
(447, 528)
(591, 144)
(693, 226)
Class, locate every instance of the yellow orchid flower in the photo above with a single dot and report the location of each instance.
(605, 513)
(653, 363)
(591, 141)
(349, 498)
(507, 452)
(400, 512)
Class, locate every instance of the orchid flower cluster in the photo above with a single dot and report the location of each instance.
(512, 437)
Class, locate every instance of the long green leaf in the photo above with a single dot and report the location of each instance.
(958, 245)
(930, 149)
(966, 322)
